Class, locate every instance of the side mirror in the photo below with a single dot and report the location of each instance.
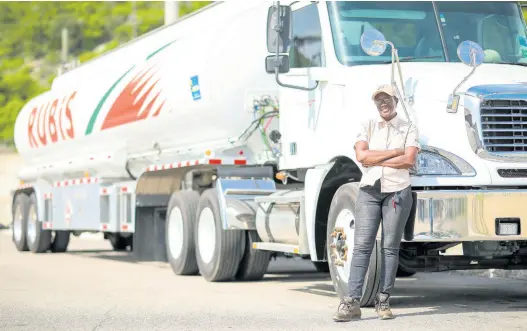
(373, 42)
(278, 29)
(471, 54)
(282, 63)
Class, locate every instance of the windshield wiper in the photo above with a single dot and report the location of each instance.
(409, 58)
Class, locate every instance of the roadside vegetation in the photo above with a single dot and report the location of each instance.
(30, 42)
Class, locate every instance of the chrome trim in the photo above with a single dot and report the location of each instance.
(236, 201)
(468, 215)
(463, 167)
(473, 99)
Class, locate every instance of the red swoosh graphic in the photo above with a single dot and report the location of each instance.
(126, 108)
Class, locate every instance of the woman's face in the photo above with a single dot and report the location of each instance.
(385, 105)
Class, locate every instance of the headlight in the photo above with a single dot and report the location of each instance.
(433, 161)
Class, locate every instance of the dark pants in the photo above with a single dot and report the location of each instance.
(371, 207)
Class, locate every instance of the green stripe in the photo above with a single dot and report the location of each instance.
(159, 50)
(89, 129)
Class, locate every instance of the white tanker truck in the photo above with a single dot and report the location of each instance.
(227, 136)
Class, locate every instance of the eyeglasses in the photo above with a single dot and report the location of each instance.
(387, 101)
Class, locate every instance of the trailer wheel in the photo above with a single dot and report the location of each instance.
(38, 240)
(60, 241)
(218, 251)
(340, 239)
(255, 262)
(179, 232)
(19, 226)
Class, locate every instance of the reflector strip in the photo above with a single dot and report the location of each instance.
(76, 181)
(182, 164)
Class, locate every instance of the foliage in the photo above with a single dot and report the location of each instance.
(30, 42)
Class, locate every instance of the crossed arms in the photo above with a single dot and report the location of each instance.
(393, 158)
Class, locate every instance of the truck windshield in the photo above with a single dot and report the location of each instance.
(410, 26)
(413, 28)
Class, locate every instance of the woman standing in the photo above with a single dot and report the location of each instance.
(387, 147)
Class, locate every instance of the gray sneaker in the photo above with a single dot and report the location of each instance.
(382, 306)
(349, 309)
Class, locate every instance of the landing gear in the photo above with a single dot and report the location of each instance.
(120, 242)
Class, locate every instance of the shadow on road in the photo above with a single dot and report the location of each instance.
(280, 270)
(444, 294)
(427, 293)
(105, 254)
(476, 294)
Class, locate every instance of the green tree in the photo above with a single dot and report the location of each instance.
(30, 42)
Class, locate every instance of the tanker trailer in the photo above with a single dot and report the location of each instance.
(229, 135)
(170, 96)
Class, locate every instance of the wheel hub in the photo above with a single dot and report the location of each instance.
(175, 232)
(32, 226)
(339, 247)
(206, 235)
(17, 225)
(342, 238)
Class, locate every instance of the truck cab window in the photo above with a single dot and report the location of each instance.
(411, 26)
(306, 44)
(497, 26)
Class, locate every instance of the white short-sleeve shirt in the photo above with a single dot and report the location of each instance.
(381, 135)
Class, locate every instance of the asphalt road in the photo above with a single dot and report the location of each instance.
(93, 288)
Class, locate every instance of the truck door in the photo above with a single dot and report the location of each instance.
(299, 109)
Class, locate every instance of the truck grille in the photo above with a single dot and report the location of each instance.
(504, 125)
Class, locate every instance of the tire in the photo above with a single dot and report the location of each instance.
(255, 262)
(401, 272)
(19, 226)
(321, 266)
(60, 242)
(38, 240)
(218, 251)
(341, 214)
(179, 232)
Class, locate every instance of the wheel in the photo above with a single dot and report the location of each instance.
(60, 241)
(19, 226)
(321, 266)
(179, 233)
(38, 240)
(402, 272)
(340, 239)
(255, 262)
(218, 251)
(119, 243)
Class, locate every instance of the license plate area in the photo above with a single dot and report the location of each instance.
(508, 226)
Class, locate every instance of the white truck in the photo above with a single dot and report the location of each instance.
(228, 135)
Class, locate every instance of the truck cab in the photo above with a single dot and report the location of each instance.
(460, 69)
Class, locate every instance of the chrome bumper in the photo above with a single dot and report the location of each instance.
(470, 215)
